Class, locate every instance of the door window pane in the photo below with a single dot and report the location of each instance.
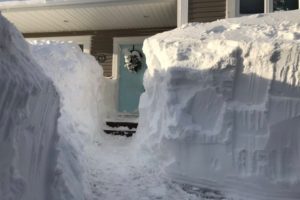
(251, 6)
(285, 5)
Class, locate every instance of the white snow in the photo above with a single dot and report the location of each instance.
(29, 107)
(51, 149)
(222, 105)
(43, 140)
(220, 115)
(92, 165)
(78, 79)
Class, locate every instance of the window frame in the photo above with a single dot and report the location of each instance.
(233, 7)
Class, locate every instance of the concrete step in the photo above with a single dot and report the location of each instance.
(116, 124)
(127, 133)
(122, 128)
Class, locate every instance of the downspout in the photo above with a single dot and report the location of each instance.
(182, 12)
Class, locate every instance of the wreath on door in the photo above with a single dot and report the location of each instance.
(133, 60)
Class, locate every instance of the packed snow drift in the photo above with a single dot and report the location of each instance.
(50, 113)
(51, 142)
(92, 165)
(222, 105)
(29, 107)
(221, 110)
(78, 79)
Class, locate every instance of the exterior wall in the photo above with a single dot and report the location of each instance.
(206, 10)
(102, 43)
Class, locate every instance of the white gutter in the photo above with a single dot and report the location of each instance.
(7, 7)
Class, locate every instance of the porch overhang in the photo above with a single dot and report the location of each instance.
(91, 15)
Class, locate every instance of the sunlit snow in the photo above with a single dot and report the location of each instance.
(219, 118)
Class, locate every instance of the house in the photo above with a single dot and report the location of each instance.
(112, 29)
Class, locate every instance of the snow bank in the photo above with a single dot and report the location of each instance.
(222, 105)
(78, 79)
(29, 108)
(44, 134)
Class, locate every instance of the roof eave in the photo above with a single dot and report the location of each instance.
(71, 4)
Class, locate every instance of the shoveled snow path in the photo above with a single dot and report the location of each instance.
(115, 173)
(94, 166)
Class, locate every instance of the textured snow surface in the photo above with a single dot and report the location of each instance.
(116, 173)
(55, 150)
(29, 108)
(78, 78)
(90, 164)
(44, 133)
(102, 166)
(222, 105)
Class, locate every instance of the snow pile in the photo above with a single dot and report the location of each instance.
(222, 105)
(103, 167)
(44, 134)
(78, 79)
(29, 108)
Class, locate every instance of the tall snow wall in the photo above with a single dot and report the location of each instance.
(29, 108)
(222, 105)
(78, 79)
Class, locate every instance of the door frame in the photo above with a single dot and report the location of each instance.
(117, 42)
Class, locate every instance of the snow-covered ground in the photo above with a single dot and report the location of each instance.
(222, 105)
(102, 167)
(115, 172)
(220, 115)
(56, 150)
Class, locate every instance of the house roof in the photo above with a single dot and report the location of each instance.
(89, 15)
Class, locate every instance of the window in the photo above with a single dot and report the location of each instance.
(251, 6)
(237, 8)
(279, 5)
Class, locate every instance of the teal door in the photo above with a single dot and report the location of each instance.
(130, 83)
